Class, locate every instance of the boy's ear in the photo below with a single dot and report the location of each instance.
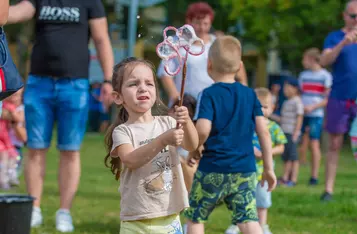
(117, 98)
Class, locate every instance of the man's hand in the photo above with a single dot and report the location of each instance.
(350, 37)
(106, 95)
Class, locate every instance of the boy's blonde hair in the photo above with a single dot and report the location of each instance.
(225, 54)
(314, 53)
(262, 93)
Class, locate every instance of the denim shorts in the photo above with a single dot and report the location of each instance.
(315, 126)
(62, 100)
(263, 196)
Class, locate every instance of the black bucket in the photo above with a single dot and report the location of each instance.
(15, 214)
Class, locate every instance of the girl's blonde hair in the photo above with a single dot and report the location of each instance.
(121, 70)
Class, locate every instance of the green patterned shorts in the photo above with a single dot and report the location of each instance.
(236, 190)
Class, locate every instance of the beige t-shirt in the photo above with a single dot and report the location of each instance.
(156, 189)
(289, 112)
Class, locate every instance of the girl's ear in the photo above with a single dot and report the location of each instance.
(117, 98)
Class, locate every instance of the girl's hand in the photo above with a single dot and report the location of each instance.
(173, 137)
(181, 115)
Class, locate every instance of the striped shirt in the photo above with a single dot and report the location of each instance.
(290, 110)
(313, 85)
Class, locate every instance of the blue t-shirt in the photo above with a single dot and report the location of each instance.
(344, 69)
(232, 108)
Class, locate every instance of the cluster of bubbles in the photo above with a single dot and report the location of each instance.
(169, 49)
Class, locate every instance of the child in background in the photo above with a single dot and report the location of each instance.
(315, 83)
(8, 153)
(17, 132)
(353, 135)
(142, 152)
(292, 114)
(227, 115)
(188, 172)
(278, 140)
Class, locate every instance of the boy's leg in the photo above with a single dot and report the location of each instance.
(207, 190)
(315, 158)
(304, 141)
(354, 146)
(315, 136)
(263, 203)
(195, 228)
(188, 173)
(286, 158)
(295, 171)
(288, 165)
(241, 199)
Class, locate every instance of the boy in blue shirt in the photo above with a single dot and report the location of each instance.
(227, 115)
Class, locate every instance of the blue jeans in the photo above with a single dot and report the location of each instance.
(315, 125)
(63, 100)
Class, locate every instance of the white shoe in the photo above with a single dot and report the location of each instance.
(233, 229)
(64, 221)
(266, 229)
(36, 218)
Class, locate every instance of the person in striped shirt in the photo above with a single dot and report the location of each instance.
(315, 83)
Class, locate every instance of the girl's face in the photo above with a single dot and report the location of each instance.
(138, 92)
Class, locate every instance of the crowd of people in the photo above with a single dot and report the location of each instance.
(216, 148)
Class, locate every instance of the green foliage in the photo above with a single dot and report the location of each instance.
(298, 24)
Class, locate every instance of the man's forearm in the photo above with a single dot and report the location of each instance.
(4, 11)
(329, 57)
(106, 58)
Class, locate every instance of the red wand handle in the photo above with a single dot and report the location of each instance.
(182, 88)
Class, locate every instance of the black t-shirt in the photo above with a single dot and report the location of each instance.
(61, 37)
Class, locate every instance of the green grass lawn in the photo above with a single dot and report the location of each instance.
(295, 210)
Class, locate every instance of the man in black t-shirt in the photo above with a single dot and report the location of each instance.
(57, 90)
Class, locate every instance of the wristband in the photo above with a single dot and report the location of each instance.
(107, 81)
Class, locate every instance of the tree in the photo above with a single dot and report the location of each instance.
(297, 24)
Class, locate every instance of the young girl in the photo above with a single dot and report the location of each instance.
(142, 152)
(17, 131)
(8, 153)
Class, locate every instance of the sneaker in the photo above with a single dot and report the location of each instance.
(326, 197)
(266, 229)
(233, 229)
(313, 181)
(36, 218)
(64, 221)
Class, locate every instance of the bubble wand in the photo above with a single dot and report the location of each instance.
(169, 49)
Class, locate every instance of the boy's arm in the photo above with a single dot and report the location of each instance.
(203, 127)
(190, 140)
(265, 142)
(297, 130)
(318, 105)
(278, 150)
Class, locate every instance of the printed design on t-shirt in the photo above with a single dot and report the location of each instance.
(174, 227)
(164, 180)
(63, 14)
